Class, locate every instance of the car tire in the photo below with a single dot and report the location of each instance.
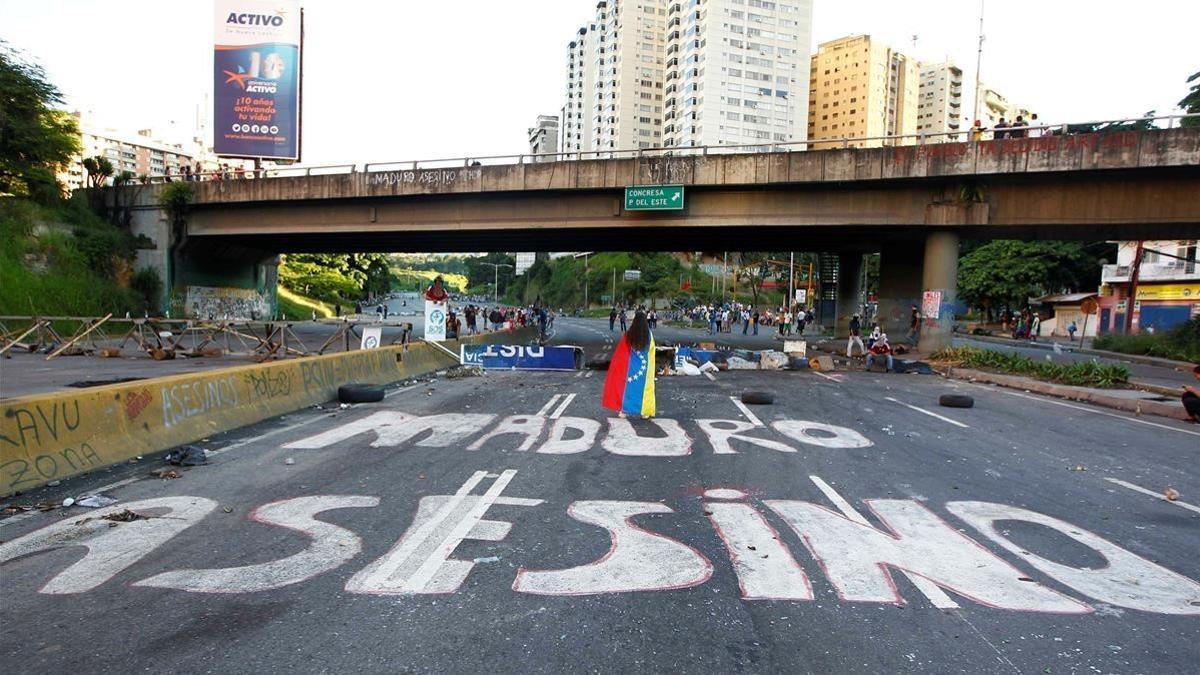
(360, 393)
(758, 398)
(956, 401)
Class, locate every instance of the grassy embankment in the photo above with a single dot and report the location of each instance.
(1181, 343)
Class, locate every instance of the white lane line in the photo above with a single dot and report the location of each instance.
(710, 376)
(1091, 410)
(546, 408)
(746, 411)
(579, 374)
(562, 407)
(927, 412)
(103, 488)
(831, 378)
(1159, 495)
(589, 374)
(937, 597)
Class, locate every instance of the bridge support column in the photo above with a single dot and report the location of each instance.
(849, 291)
(899, 286)
(940, 277)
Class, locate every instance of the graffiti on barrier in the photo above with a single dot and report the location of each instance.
(268, 384)
(426, 177)
(184, 401)
(323, 376)
(136, 402)
(859, 558)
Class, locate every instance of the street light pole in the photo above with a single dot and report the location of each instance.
(495, 279)
(978, 62)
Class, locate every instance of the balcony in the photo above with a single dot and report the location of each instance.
(1176, 270)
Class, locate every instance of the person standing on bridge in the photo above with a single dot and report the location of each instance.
(629, 385)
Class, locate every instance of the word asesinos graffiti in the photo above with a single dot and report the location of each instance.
(570, 435)
(856, 557)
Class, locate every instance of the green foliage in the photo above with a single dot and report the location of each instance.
(1191, 102)
(47, 262)
(1076, 373)
(1008, 272)
(35, 137)
(318, 281)
(481, 275)
(1181, 343)
(175, 197)
(1135, 125)
(98, 169)
(147, 284)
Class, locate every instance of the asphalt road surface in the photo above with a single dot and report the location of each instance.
(508, 523)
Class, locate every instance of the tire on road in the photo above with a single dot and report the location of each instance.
(758, 397)
(956, 401)
(360, 393)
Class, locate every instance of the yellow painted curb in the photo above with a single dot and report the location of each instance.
(46, 437)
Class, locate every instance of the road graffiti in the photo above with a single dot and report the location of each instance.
(659, 437)
(856, 557)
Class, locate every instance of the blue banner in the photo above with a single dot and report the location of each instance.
(518, 357)
(256, 86)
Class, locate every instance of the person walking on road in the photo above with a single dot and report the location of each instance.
(629, 385)
(624, 317)
(1071, 331)
(914, 326)
(612, 319)
(1034, 325)
(855, 338)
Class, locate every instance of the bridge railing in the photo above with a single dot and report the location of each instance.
(844, 142)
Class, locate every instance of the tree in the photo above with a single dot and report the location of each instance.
(36, 139)
(1191, 102)
(1007, 273)
(98, 169)
(1134, 125)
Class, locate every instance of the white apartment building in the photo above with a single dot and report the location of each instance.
(615, 78)
(939, 101)
(543, 138)
(737, 72)
(575, 128)
(138, 153)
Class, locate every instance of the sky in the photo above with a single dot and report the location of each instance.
(394, 80)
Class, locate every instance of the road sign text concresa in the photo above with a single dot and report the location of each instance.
(654, 198)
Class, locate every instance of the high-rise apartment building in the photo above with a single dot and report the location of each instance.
(939, 102)
(543, 139)
(582, 64)
(736, 72)
(615, 78)
(861, 89)
(138, 153)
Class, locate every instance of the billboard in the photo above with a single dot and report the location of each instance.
(256, 85)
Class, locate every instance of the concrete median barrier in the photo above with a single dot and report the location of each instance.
(46, 437)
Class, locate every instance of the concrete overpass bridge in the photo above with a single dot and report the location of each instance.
(913, 203)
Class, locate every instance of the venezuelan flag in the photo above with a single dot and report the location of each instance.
(629, 386)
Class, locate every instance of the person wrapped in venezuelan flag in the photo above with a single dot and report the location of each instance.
(629, 386)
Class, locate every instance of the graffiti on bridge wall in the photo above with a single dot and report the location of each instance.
(208, 302)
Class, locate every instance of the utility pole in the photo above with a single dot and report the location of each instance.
(978, 62)
(1134, 270)
(614, 290)
(724, 275)
(585, 285)
(791, 297)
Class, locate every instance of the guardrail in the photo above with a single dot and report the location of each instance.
(844, 142)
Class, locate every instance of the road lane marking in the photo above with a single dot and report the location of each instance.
(746, 411)
(546, 408)
(1138, 488)
(929, 589)
(589, 374)
(562, 407)
(831, 378)
(927, 412)
(1084, 409)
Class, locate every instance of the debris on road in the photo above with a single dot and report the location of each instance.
(738, 363)
(289, 461)
(1171, 494)
(124, 516)
(188, 455)
(956, 401)
(69, 501)
(165, 473)
(464, 371)
(773, 360)
(488, 559)
(96, 501)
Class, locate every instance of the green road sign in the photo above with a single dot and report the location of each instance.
(654, 198)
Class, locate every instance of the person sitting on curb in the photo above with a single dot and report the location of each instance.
(1191, 398)
(881, 348)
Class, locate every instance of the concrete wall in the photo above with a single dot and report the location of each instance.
(45, 437)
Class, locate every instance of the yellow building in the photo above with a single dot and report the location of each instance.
(861, 89)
